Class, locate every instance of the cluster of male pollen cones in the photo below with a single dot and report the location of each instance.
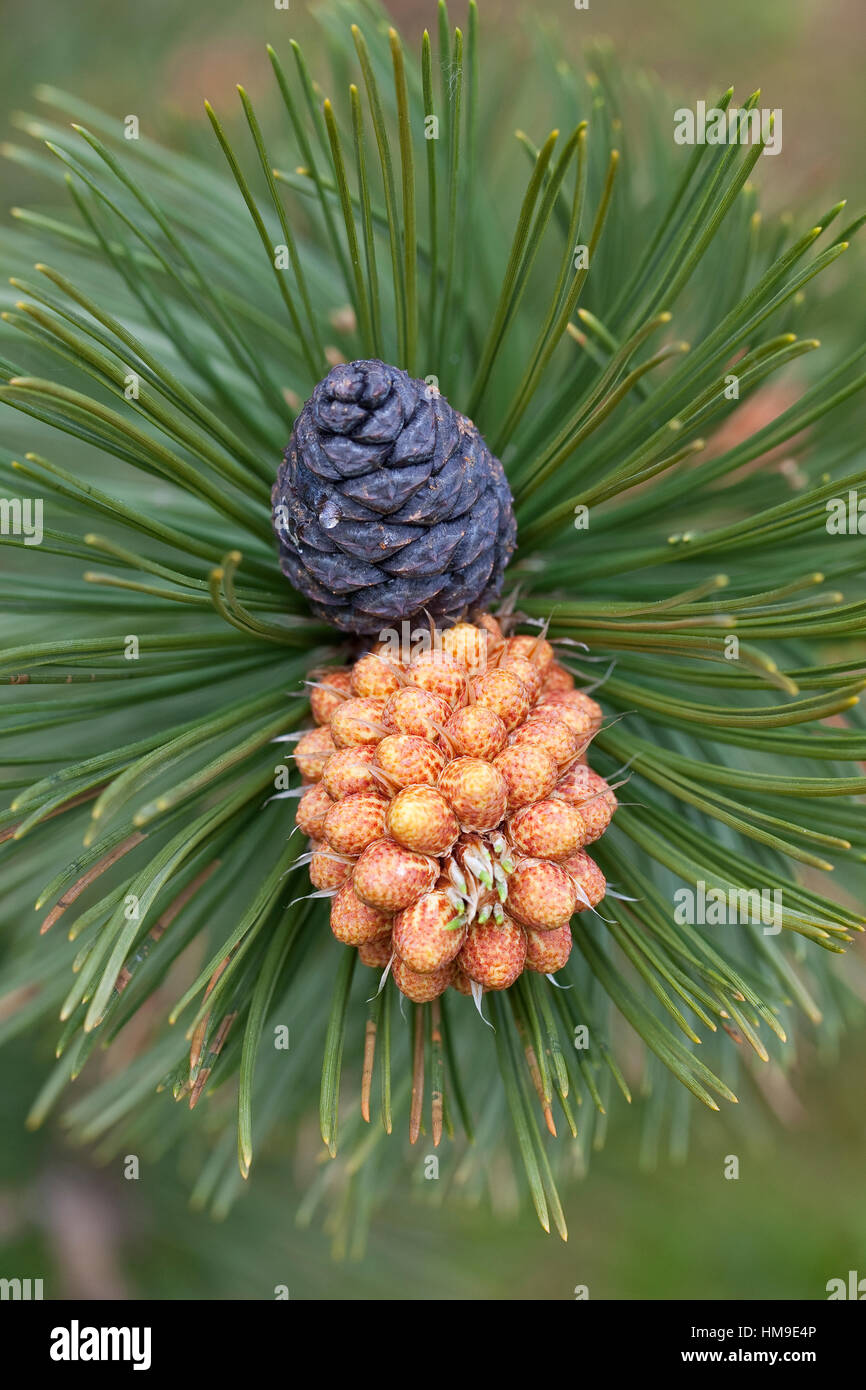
(448, 800)
(449, 805)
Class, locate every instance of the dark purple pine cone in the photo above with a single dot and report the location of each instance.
(388, 502)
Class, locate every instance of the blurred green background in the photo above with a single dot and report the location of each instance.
(796, 1216)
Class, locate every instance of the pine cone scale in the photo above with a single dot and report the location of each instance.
(381, 494)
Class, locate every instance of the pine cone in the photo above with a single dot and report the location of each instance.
(388, 502)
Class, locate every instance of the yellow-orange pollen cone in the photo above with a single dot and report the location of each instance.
(448, 802)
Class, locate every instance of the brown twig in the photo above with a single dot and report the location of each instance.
(367, 1074)
(417, 1078)
(93, 873)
